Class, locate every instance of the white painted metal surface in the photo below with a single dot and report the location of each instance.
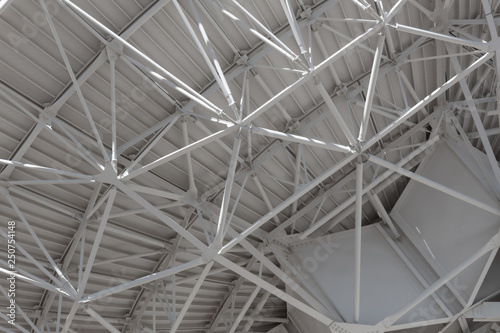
(161, 158)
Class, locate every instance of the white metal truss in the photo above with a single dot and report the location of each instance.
(167, 154)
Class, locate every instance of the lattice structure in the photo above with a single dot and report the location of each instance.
(160, 158)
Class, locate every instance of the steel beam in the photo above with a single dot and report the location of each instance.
(445, 38)
(221, 224)
(90, 260)
(182, 87)
(162, 216)
(371, 89)
(28, 278)
(265, 107)
(191, 297)
(435, 185)
(377, 204)
(275, 291)
(367, 188)
(481, 278)
(258, 307)
(478, 122)
(91, 312)
(305, 188)
(357, 240)
(275, 42)
(425, 101)
(45, 169)
(315, 302)
(336, 114)
(300, 139)
(493, 243)
(229, 297)
(264, 196)
(208, 53)
(73, 79)
(245, 308)
(143, 280)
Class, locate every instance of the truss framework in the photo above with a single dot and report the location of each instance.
(211, 231)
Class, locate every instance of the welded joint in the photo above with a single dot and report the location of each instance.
(67, 289)
(317, 80)
(114, 49)
(305, 12)
(108, 175)
(241, 58)
(44, 118)
(80, 218)
(293, 125)
(341, 89)
(212, 251)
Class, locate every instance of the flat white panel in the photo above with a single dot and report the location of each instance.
(446, 229)
(386, 282)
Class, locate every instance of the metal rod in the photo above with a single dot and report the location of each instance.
(296, 177)
(191, 297)
(50, 182)
(63, 280)
(493, 243)
(219, 236)
(244, 310)
(91, 258)
(101, 320)
(162, 217)
(336, 114)
(357, 240)
(481, 278)
(300, 139)
(377, 204)
(45, 169)
(217, 72)
(189, 162)
(367, 188)
(454, 40)
(112, 63)
(325, 54)
(32, 280)
(258, 308)
(186, 90)
(425, 101)
(265, 197)
(159, 126)
(435, 185)
(73, 79)
(478, 122)
(143, 280)
(273, 290)
(266, 106)
(287, 8)
(58, 321)
(305, 188)
(371, 88)
(278, 45)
